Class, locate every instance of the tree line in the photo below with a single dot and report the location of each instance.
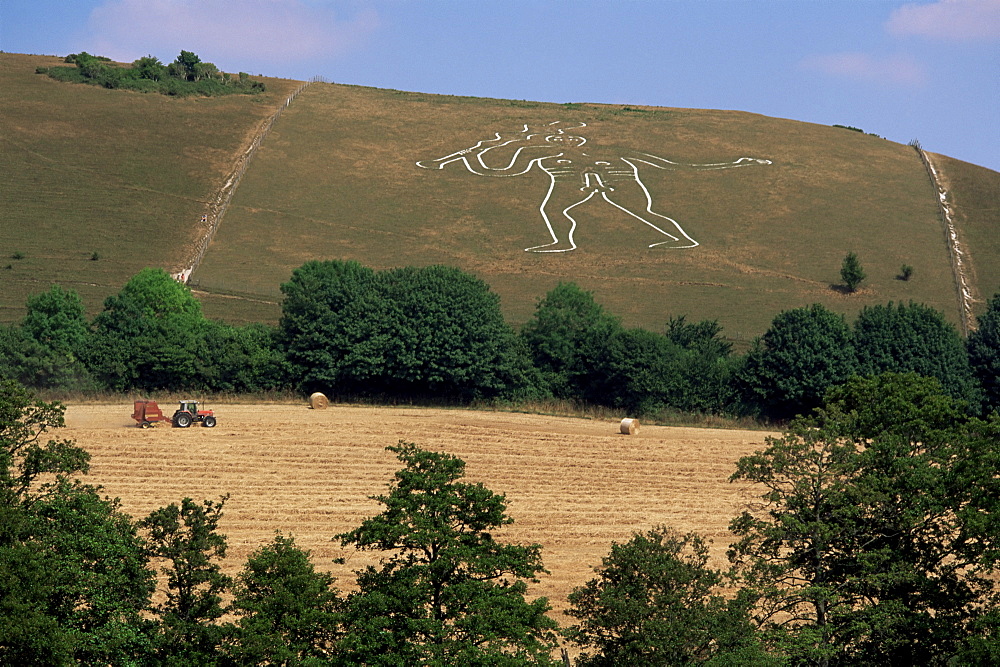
(186, 75)
(871, 538)
(437, 333)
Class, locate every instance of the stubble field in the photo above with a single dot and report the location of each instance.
(572, 485)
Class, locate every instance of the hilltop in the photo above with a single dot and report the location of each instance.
(337, 178)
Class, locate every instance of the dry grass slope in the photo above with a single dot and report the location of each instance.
(122, 174)
(337, 180)
(127, 176)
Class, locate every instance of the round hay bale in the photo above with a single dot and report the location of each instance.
(318, 401)
(630, 426)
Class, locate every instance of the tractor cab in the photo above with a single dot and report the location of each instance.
(187, 413)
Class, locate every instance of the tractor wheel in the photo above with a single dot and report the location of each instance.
(208, 422)
(182, 420)
(145, 425)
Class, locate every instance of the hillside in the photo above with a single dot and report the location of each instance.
(124, 175)
(337, 178)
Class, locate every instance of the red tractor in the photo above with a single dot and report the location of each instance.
(148, 413)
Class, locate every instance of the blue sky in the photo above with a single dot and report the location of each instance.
(925, 69)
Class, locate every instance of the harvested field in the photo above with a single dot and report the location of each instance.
(572, 485)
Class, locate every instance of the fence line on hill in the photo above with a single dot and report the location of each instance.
(955, 253)
(220, 203)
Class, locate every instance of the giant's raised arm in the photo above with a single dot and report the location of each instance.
(664, 163)
(439, 163)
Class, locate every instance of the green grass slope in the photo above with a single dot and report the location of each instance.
(121, 174)
(337, 179)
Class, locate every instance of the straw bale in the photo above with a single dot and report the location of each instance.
(630, 426)
(318, 401)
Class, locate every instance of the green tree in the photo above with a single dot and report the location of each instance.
(446, 592)
(408, 332)
(74, 579)
(655, 601)
(150, 67)
(912, 337)
(983, 347)
(632, 369)
(288, 612)
(57, 333)
(565, 320)
(874, 538)
(449, 338)
(331, 325)
(802, 354)
(851, 272)
(705, 367)
(185, 66)
(185, 538)
(242, 359)
(149, 336)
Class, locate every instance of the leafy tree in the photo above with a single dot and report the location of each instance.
(912, 337)
(288, 612)
(56, 333)
(149, 336)
(446, 592)
(632, 369)
(408, 332)
(56, 318)
(186, 538)
(705, 366)
(150, 67)
(983, 346)
(331, 326)
(874, 538)
(851, 272)
(565, 320)
(102, 576)
(29, 633)
(804, 352)
(655, 601)
(74, 581)
(242, 359)
(449, 337)
(185, 66)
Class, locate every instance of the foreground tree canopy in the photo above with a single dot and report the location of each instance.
(876, 537)
(446, 592)
(871, 537)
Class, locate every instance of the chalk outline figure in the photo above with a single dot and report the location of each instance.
(559, 155)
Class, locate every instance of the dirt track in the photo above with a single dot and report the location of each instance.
(572, 485)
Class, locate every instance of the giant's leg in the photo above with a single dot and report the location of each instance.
(629, 192)
(556, 210)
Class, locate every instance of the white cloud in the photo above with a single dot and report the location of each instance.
(225, 32)
(953, 20)
(897, 69)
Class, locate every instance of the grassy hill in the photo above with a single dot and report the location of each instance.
(124, 175)
(337, 179)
